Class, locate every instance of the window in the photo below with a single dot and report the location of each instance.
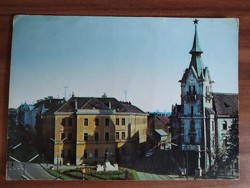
(117, 135)
(192, 140)
(189, 90)
(86, 122)
(63, 122)
(85, 155)
(85, 136)
(96, 122)
(192, 126)
(69, 154)
(194, 91)
(123, 121)
(107, 121)
(62, 136)
(117, 121)
(106, 136)
(213, 126)
(69, 136)
(96, 153)
(192, 110)
(224, 125)
(69, 122)
(96, 136)
(123, 135)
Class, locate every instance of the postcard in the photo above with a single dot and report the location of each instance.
(123, 98)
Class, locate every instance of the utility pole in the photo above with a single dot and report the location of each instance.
(125, 92)
(65, 91)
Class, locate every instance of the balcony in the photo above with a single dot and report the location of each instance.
(191, 97)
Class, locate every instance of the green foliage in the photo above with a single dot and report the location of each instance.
(111, 175)
(77, 174)
(225, 159)
(233, 140)
(134, 175)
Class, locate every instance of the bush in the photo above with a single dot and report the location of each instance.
(74, 173)
(111, 175)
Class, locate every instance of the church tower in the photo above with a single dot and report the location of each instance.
(196, 100)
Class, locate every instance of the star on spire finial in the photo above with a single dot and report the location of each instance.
(195, 21)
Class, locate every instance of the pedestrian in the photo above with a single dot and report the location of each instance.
(12, 165)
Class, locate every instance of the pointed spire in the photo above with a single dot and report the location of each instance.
(196, 49)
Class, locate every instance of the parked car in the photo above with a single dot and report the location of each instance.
(148, 154)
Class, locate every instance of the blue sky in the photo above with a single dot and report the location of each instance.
(92, 55)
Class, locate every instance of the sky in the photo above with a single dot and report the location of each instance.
(143, 57)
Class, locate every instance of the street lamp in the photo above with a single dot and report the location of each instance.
(13, 148)
(57, 156)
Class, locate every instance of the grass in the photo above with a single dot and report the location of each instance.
(134, 174)
(61, 175)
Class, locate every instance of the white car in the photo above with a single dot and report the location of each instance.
(148, 154)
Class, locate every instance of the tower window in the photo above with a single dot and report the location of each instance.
(194, 91)
(192, 110)
(192, 126)
(192, 140)
(189, 90)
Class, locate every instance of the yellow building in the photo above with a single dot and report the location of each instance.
(86, 128)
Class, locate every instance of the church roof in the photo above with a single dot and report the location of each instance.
(196, 46)
(225, 103)
(100, 103)
(196, 65)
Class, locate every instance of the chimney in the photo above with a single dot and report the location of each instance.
(110, 105)
(76, 105)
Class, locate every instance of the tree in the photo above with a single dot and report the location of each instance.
(233, 139)
(226, 158)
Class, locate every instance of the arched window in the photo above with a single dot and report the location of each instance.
(224, 125)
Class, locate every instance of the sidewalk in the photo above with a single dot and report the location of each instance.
(47, 166)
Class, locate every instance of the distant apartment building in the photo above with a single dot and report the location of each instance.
(87, 127)
(159, 128)
(25, 114)
(45, 124)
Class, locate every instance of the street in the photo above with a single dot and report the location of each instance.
(149, 176)
(28, 171)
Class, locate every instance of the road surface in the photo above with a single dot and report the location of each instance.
(28, 171)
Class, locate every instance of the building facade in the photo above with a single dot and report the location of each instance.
(199, 120)
(86, 128)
